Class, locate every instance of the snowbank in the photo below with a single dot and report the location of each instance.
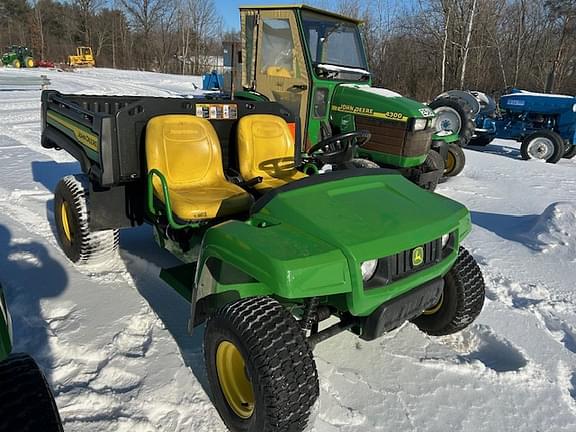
(555, 227)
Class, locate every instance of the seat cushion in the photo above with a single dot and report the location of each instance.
(199, 203)
(186, 150)
(276, 182)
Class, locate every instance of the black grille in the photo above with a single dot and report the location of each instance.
(400, 265)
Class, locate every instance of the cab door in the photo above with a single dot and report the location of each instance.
(281, 72)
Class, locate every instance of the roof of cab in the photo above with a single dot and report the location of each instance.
(304, 7)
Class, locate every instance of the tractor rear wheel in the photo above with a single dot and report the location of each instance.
(544, 145)
(71, 214)
(260, 367)
(29, 62)
(461, 300)
(26, 402)
(455, 160)
(454, 115)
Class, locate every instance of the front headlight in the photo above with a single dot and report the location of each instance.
(368, 269)
(420, 124)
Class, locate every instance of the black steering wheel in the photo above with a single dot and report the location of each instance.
(339, 149)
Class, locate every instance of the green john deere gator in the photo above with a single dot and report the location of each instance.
(26, 402)
(268, 252)
(314, 63)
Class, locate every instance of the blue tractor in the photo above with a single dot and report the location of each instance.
(544, 123)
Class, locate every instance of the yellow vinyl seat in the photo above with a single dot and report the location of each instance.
(266, 149)
(186, 150)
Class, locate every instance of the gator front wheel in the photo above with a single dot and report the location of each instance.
(461, 300)
(71, 214)
(260, 367)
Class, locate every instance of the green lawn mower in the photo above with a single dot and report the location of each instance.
(18, 57)
(269, 248)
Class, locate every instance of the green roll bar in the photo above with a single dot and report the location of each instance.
(168, 206)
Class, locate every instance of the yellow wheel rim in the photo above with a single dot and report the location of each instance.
(436, 307)
(235, 385)
(16, 64)
(64, 212)
(450, 162)
(30, 63)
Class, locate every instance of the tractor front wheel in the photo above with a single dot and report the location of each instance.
(570, 152)
(544, 145)
(461, 301)
(455, 160)
(16, 64)
(71, 214)
(260, 367)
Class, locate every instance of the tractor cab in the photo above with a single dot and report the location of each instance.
(297, 55)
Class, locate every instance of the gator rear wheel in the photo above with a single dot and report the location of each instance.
(71, 214)
(455, 160)
(260, 367)
(26, 402)
(461, 300)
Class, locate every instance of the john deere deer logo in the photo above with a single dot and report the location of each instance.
(417, 256)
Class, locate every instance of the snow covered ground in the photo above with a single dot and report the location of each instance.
(114, 344)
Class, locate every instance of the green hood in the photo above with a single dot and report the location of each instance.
(369, 213)
(377, 102)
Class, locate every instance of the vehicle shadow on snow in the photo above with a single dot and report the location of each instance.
(509, 227)
(48, 174)
(30, 275)
(143, 259)
(497, 149)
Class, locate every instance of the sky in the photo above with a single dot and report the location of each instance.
(229, 9)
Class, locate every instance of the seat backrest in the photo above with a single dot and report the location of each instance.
(185, 149)
(265, 147)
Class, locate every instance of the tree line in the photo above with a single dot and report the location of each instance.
(428, 46)
(176, 36)
(418, 48)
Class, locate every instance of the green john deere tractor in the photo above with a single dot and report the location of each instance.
(17, 57)
(26, 402)
(268, 253)
(314, 63)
